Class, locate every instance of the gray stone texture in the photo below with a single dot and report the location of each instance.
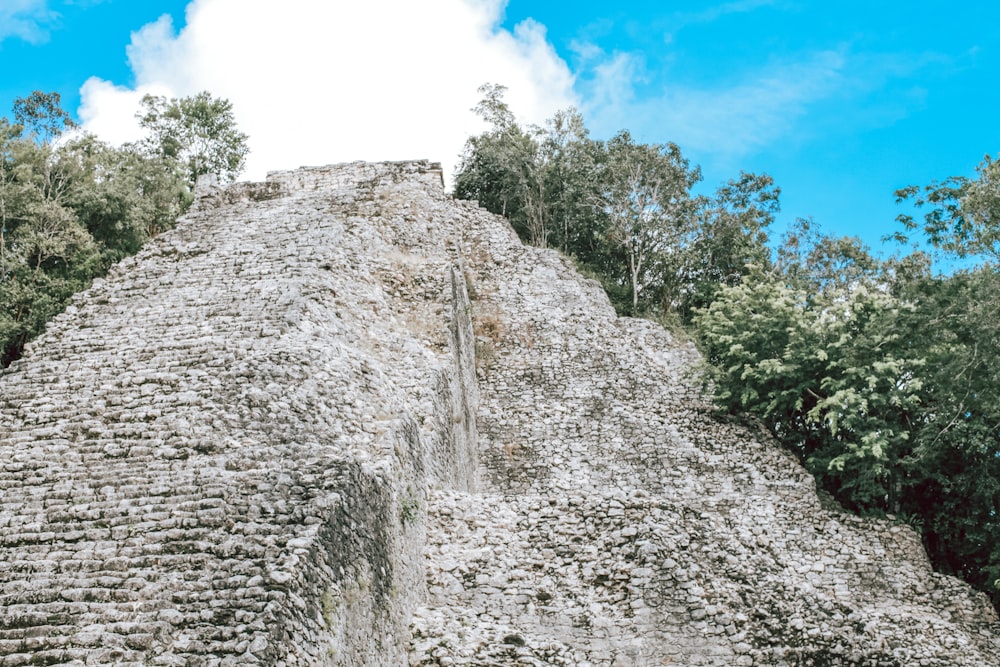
(338, 418)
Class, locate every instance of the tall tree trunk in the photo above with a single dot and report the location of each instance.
(633, 265)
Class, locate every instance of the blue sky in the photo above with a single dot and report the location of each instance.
(842, 103)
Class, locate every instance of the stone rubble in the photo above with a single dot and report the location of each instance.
(338, 418)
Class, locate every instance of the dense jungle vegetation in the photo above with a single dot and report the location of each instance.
(882, 376)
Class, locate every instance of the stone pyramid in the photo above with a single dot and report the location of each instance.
(339, 418)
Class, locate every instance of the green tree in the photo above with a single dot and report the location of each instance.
(963, 219)
(829, 374)
(122, 196)
(953, 478)
(622, 210)
(570, 158)
(541, 179)
(822, 348)
(817, 262)
(47, 254)
(643, 192)
(14, 195)
(509, 169)
(198, 132)
(42, 115)
(728, 239)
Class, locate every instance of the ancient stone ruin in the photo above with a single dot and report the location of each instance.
(338, 418)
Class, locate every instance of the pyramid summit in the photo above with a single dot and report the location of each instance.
(340, 418)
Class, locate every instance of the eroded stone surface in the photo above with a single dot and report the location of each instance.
(257, 443)
(219, 455)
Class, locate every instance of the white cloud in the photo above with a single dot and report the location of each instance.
(109, 110)
(758, 111)
(25, 19)
(728, 120)
(314, 83)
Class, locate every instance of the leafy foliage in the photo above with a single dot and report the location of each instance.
(643, 193)
(535, 177)
(197, 132)
(622, 209)
(953, 479)
(42, 116)
(828, 373)
(71, 205)
(729, 238)
(964, 215)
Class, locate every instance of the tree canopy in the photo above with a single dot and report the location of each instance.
(643, 193)
(962, 217)
(42, 115)
(623, 209)
(198, 132)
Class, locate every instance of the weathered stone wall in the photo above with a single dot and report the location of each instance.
(339, 418)
(220, 454)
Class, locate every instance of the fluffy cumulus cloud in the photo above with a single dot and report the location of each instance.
(321, 82)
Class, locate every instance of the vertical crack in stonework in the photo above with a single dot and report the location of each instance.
(338, 418)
